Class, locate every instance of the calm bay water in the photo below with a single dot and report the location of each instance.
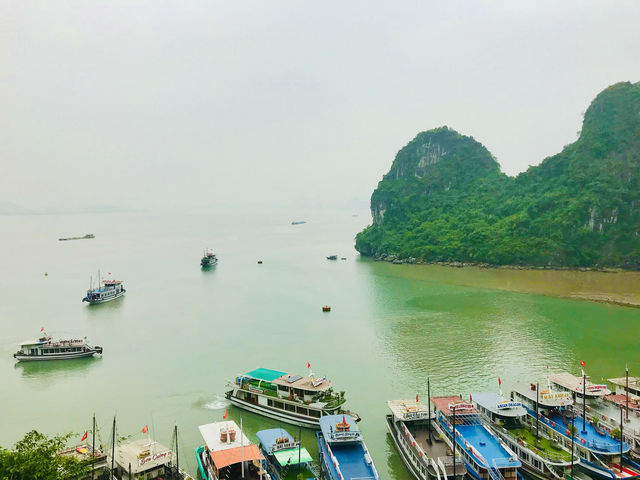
(180, 333)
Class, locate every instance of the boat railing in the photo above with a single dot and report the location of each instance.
(417, 451)
(557, 457)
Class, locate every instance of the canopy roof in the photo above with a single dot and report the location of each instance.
(224, 458)
(497, 405)
(409, 410)
(445, 404)
(268, 437)
(265, 374)
(290, 457)
(212, 435)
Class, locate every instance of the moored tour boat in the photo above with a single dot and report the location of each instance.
(420, 441)
(287, 397)
(541, 454)
(228, 454)
(286, 458)
(47, 349)
(485, 456)
(601, 455)
(343, 454)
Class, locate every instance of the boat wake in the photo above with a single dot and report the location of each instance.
(217, 404)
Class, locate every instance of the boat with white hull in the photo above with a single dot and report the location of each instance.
(286, 397)
(420, 442)
(45, 348)
(110, 290)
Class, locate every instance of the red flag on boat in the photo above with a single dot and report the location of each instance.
(470, 398)
(84, 437)
(499, 381)
(145, 429)
(582, 363)
(42, 329)
(416, 398)
(308, 365)
(344, 421)
(225, 414)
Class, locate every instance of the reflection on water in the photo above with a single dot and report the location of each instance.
(112, 305)
(55, 368)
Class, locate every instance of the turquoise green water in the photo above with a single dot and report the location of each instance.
(176, 338)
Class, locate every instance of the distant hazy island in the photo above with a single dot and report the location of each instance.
(446, 200)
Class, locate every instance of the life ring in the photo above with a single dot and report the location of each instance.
(584, 442)
(553, 423)
(420, 452)
(414, 444)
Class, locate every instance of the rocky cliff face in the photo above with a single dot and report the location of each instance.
(444, 198)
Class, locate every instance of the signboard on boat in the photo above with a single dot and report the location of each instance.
(507, 404)
(460, 406)
(555, 396)
(153, 458)
(254, 389)
(317, 381)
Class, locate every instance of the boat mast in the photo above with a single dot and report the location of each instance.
(584, 402)
(299, 447)
(175, 431)
(93, 447)
(627, 390)
(621, 440)
(537, 402)
(429, 406)
(573, 418)
(454, 440)
(113, 447)
(241, 448)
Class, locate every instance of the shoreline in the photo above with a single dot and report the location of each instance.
(592, 284)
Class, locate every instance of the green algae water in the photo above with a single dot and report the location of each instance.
(180, 333)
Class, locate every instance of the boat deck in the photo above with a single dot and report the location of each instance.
(351, 461)
(438, 448)
(590, 438)
(487, 445)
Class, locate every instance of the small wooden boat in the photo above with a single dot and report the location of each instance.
(326, 308)
(332, 257)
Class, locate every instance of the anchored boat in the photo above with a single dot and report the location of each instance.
(601, 455)
(228, 454)
(420, 441)
(343, 454)
(485, 456)
(286, 458)
(47, 349)
(287, 397)
(542, 455)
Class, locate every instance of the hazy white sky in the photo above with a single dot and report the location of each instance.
(155, 103)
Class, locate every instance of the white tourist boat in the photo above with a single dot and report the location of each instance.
(106, 291)
(287, 397)
(45, 348)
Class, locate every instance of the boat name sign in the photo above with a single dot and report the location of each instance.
(317, 381)
(556, 396)
(254, 389)
(415, 415)
(154, 457)
(503, 405)
(460, 406)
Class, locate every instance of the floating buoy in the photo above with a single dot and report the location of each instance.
(326, 308)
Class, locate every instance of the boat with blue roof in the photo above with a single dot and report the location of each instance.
(485, 455)
(343, 453)
(296, 399)
(286, 458)
(420, 441)
(601, 455)
(542, 455)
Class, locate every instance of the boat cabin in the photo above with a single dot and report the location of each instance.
(84, 453)
(145, 459)
(578, 385)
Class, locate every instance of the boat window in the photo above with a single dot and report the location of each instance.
(291, 408)
(302, 410)
(279, 405)
(269, 402)
(314, 413)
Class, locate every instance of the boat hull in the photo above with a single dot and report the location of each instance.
(66, 356)
(274, 414)
(393, 431)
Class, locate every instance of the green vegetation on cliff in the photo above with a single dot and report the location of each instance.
(445, 199)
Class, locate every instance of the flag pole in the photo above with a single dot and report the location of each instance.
(93, 447)
(584, 402)
(113, 445)
(241, 448)
(429, 406)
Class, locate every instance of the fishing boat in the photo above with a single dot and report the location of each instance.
(298, 222)
(343, 453)
(286, 458)
(541, 454)
(420, 441)
(485, 455)
(286, 397)
(228, 454)
(45, 348)
(601, 455)
(209, 259)
(110, 290)
(332, 257)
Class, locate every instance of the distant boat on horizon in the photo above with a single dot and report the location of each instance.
(87, 236)
(298, 222)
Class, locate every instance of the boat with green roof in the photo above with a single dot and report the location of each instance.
(286, 458)
(296, 399)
